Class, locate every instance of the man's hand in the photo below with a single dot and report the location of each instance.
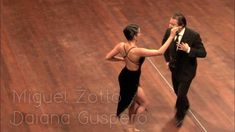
(184, 47)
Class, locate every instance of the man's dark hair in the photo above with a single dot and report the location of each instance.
(180, 18)
(130, 31)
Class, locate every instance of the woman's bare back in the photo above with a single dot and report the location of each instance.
(130, 57)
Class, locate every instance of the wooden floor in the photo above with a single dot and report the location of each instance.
(54, 77)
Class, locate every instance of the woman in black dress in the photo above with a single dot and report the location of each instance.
(131, 93)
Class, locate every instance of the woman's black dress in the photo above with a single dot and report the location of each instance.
(128, 82)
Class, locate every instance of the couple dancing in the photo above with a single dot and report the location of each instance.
(180, 46)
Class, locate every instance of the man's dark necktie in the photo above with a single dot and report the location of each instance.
(174, 53)
(176, 41)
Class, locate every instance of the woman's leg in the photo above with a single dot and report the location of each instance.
(142, 101)
(132, 115)
(138, 106)
(132, 111)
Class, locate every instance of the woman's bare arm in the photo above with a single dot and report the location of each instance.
(112, 55)
(153, 52)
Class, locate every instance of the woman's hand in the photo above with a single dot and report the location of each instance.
(116, 58)
(174, 31)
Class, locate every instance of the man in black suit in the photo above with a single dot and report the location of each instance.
(181, 57)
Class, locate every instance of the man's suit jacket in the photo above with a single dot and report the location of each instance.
(185, 64)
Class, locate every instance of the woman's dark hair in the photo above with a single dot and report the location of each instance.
(130, 31)
(180, 18)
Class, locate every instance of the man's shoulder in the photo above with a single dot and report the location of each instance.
(191, 31)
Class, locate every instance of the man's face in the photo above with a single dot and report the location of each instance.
(173, 23)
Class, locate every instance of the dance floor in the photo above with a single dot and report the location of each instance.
(54, 76)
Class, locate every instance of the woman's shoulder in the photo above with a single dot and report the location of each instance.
(138, 51)
(120, 44)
